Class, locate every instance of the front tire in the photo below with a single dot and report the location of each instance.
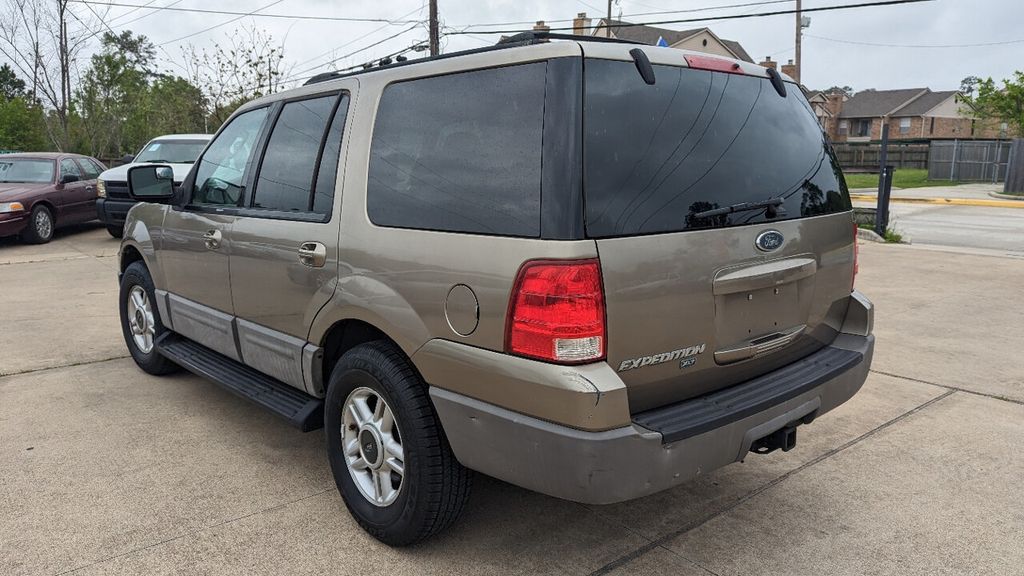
(387, 450)
(140, 320)
(115, 230)
(40, 226)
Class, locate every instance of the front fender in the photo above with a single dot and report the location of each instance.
(142, 230)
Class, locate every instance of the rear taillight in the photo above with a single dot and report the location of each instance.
(556, 312)
(856, 257)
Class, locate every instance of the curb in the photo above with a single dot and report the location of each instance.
(948, 201)
(868, 235)
(1015, 198)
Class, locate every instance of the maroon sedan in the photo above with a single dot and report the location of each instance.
(41, 191)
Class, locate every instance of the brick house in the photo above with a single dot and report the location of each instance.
(696, 39)
(912, 114)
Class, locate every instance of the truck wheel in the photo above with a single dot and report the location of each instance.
(140, 320)
(115, 230)
(389, 455)
(40, 226)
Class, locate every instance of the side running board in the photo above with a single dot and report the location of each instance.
(298, 408)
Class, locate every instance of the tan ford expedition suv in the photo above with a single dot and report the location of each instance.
(592, 269)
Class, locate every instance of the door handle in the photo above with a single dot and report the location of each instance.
(313, 254)
(212, 239)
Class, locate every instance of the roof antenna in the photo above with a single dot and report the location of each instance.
(643, 65)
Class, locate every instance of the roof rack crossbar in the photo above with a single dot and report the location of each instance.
(539, 35)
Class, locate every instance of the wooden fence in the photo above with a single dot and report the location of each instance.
(865, 157)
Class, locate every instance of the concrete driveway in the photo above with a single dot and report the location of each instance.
(105, 470)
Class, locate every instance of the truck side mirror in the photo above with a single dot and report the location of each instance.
(153, 183)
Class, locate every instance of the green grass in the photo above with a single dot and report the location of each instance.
(903, 178)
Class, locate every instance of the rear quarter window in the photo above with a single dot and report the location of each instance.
(460, 153)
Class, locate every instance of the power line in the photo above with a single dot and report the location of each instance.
(235, 13)
(709, 18)
(354, 40)
(880, 45)
(350, 54)
(146, 15)
(638, 14)
(225, 23)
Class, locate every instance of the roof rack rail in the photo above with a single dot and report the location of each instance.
(541, 35)
(521, 39)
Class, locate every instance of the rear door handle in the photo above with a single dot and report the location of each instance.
(212, 239)
(313, 254)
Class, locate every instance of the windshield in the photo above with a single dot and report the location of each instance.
(26, 170)
(656, 157)
(172, 151)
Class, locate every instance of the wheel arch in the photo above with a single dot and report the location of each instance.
(344, 335)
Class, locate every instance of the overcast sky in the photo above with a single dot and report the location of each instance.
(827, 61)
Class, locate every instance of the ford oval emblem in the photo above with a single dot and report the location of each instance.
(769, 240)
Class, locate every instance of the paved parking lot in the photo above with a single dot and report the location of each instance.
(106, 470)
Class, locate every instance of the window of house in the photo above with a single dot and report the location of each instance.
(460, 153)
(1003, 128)
(844, 127)
(864, 127)
(904, 125)
(931, 126)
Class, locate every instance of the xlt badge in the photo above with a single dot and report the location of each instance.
(684, 355)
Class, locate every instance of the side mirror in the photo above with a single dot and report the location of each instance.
(151, 183)
(68, 178)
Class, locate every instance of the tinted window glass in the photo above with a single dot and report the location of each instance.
(68, 166)
(327, 173)
(219, 176)
(657, 156)
(460, 153)
(286, 176)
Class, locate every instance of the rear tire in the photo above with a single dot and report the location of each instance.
(140, 320)
(115, 230)
(433, 487)
(40, 226)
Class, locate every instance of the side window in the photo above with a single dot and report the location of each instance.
(220, 172)
(68, 166)
(327, 172)
(89, 168)
(286, 176)
(460, 153)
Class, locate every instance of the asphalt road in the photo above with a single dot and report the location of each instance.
(982, 227)
(106, 470)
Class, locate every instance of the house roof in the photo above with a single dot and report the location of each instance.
(650, 34)
(925, 103)
(874, 103)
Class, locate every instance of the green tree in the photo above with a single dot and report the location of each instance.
(11, 86)
(998, 103)
(22, 125)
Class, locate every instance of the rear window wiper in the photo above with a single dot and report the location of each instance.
(770, 203)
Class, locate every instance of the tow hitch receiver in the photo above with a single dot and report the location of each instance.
(784, 438)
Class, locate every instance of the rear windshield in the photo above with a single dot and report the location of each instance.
(172, 151)
(657, 156)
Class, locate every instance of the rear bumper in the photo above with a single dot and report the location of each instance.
(658, 449)
(12, 224)
(113, 211)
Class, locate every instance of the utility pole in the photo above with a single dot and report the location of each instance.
(799, 36)
(435, 47)
(608, 22)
